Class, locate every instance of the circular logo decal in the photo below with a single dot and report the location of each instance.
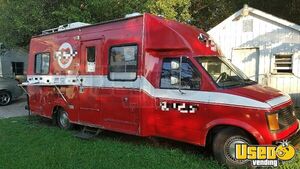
(65, 55)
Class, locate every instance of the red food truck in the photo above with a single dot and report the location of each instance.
(149, 76)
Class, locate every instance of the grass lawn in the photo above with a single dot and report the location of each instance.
(35, 143)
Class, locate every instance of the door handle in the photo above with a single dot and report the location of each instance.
(157, 103)
(125, 99)
(81, 86)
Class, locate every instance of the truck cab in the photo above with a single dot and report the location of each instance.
(208, 96)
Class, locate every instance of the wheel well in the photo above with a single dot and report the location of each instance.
(213, 131)
(4, 90)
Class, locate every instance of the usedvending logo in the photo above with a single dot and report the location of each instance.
(267, 156)
(65, 55)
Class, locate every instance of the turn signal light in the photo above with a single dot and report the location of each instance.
(273, 121)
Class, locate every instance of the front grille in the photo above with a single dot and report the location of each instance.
(286, 116)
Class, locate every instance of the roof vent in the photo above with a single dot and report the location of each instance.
(133, 14)
(65, 27)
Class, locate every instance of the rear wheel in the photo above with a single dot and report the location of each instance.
(224, 147)
(63, 121)
(5, 98)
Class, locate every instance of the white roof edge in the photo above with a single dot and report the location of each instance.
(262, 14)
(275, 19)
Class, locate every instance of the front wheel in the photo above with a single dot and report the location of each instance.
(224, 147)
(63, 121)
(5, 98)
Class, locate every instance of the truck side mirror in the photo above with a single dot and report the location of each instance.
(175, 65)
(174, 80)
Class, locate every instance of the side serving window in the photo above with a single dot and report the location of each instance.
(170, 79)
(123, 63)
(42, 62)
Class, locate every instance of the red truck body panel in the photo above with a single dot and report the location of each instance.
(134, 107)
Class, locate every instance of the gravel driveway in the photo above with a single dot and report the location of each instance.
(16, 108)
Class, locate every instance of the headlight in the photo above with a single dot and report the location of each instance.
(273, 121)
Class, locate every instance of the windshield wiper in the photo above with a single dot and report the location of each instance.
(238, 83)
(249, 81)
(235, 84)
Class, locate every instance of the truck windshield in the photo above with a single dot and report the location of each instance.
(223, 72)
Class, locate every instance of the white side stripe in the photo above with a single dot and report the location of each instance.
(143, 84)
(279, 100)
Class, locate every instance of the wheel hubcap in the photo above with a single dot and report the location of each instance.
(64, 119)
(230, 149)
(4, 98)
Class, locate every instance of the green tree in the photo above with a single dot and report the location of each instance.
(209, 13)
(171, 9)
(113, 9)
(19, 20)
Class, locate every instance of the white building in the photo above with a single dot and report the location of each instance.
(13, 63)
(263, 46)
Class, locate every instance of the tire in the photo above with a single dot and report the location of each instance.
(63, 120)
(224, 141)
(5, 98)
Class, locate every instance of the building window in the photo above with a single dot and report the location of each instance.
(18, 68)
(123, 63)
(248, 25)
(190, 78)
(42, 63)
(283, 63)
(91, 53)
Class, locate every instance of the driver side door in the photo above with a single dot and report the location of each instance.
(178, 116)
